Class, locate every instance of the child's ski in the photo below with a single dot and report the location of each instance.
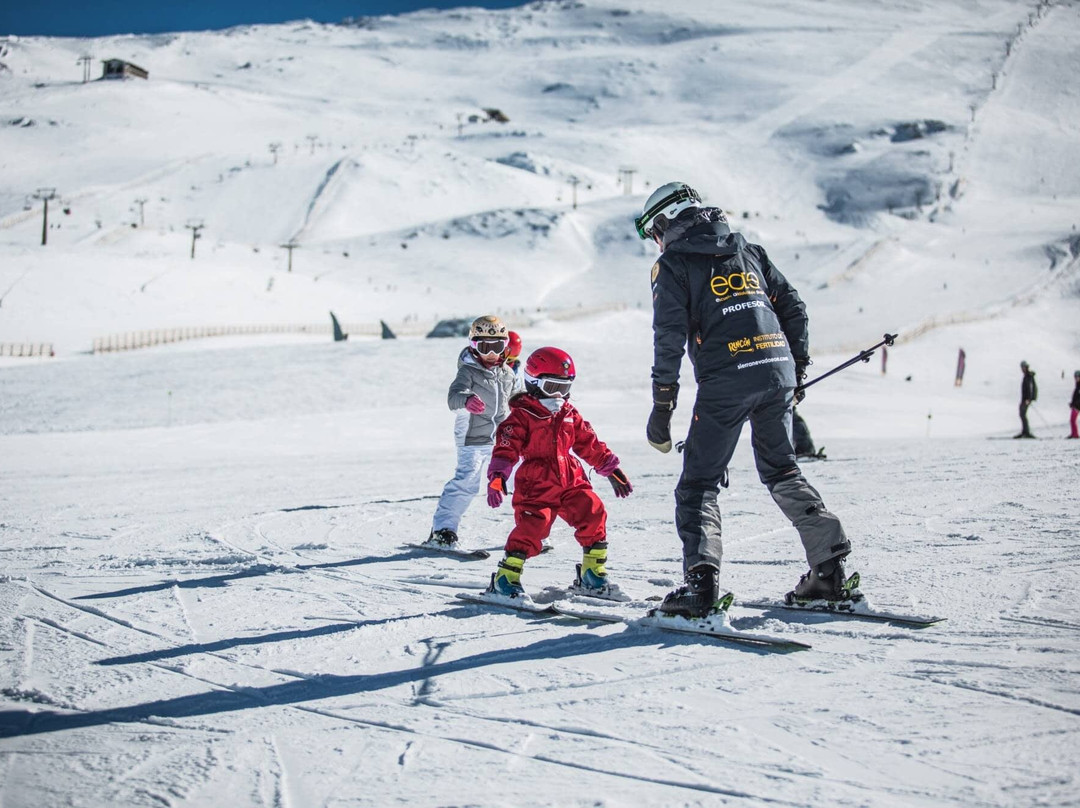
(520, 604)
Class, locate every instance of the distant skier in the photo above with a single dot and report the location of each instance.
(1074, 406)
(545, 431)
(480, 395)
(1029, 393)
(804, 444)
(747, 333)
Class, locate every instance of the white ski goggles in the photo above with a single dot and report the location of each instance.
(554, 386)
(489, 346)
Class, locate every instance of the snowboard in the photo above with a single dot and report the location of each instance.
(456, 552)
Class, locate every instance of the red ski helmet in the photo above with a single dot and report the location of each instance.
(549, 372)
(513, 345)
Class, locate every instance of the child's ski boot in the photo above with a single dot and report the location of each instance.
(506, 580)
(592, 578)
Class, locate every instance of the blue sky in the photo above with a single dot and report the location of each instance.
(104, 17)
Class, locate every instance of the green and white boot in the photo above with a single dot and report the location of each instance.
(592, 577)
(506, 580)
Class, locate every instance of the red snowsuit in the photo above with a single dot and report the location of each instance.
(550, 481)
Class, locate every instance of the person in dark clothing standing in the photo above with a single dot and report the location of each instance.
(745, 327)
(1029, 392)
(804, 444)
(1074, 406)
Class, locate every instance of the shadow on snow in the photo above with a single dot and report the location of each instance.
(260, 639)
(14, 723)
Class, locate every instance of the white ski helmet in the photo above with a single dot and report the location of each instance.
(488, 327)
(663, 205)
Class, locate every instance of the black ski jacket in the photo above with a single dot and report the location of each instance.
(742, 319)
(1075, 403)
(1029, 391)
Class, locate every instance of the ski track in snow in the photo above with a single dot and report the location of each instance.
(846, 653)
(204, 598)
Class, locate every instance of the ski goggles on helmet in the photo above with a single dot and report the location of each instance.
(643, 223)
(489, 346)
(553, 386)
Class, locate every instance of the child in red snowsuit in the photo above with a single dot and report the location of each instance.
(545, 431)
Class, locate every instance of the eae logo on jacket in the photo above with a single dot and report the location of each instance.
(721, 299)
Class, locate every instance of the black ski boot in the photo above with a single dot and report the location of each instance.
(826, 581)
(442, 538)
(697, 597)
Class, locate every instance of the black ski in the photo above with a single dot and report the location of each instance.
(450, 551)
(858, 611)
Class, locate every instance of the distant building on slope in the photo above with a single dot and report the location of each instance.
(119, 69)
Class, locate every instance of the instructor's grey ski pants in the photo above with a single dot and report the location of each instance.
(710, 444)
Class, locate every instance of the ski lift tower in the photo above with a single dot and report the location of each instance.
(45, 194)
(85, 61)
(292, 245)
(194, 225)
(626, 177)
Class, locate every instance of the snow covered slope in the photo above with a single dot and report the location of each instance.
(203, 598)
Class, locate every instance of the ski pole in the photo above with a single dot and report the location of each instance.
(1039, 413)
(863, 356)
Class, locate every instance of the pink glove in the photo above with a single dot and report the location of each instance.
(500, 467)
(495, 492)
(475, 404)
(608, 466)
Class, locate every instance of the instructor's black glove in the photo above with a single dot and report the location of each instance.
(800, 377)
(658, 430)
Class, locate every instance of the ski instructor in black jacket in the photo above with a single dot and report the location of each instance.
(746, 329)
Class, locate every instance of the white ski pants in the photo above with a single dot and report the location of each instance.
(459, 493)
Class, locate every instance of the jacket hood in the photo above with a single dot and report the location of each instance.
(702, 230)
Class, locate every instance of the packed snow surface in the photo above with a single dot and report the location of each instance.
(204, 598)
